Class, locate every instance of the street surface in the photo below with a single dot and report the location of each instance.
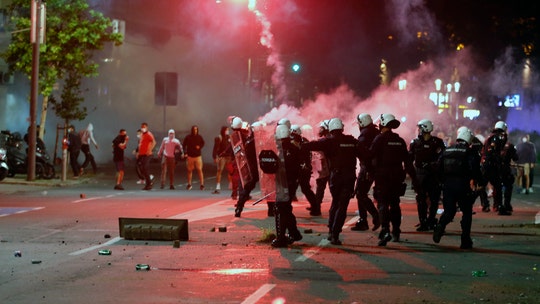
(59, 229)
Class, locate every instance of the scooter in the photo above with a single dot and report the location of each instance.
(17, 158)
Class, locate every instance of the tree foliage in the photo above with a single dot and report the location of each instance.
(74, 32)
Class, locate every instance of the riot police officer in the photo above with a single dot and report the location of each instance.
(322, 167)
(368, 132)
(283, 215)
(242, 130)
(460, 167)
(341, 151)
(424, 151)
(304, 175)
(390, 161)
(497, 156)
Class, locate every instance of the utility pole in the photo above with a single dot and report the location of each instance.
(36, 37)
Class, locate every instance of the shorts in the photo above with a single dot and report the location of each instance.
(119, 165)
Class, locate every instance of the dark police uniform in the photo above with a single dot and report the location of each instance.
(459, 165)
(341, 152)
(391, 161)
(424, 154)
(364, 182)
(244, 191)
(497, 156)
(304, 176)
(284, 216)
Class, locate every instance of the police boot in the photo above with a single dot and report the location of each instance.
(396, 233)
(502, 210)
(271, 208)
(237, 212)
(281, 239)
(423, 225)
(466, 242)
(438, 232)
(384, 237)
(361, 225)
(431, 223)
(294, 236)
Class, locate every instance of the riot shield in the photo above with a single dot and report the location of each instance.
(240, 156)
(264, 140)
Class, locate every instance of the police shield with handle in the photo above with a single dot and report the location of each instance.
(243, 146)
(266, 150)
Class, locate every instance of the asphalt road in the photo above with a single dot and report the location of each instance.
(59, 228)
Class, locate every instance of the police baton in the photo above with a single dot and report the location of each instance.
(259, 200)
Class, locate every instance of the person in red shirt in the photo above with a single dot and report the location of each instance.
(146, 146)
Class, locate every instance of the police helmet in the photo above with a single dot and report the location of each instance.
(364, 120)
(335, 124)
(282, 132)
(389, 121)
(425, 125)
(465, 134)
(501, 125)
(285, 121)
(324, 124)
(236, 123)
(295, 129)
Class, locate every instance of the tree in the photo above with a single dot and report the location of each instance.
(74, 32)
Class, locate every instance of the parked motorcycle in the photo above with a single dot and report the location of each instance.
(17, 157)
(3, 164)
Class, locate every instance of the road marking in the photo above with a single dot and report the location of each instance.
(111, 241)
(88, 199)
(323, 243)
(5, 211)
(257, 295)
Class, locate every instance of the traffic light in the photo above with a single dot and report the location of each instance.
(295, 67)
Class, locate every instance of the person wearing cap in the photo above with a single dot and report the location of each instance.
(460, 168)
(342, 151)
(496, 160)
(364, 181)
(170, 147)
(390, 161)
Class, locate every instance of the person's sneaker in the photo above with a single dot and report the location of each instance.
(188, 187)
(201, 187)
(523, 191)
(423, 227)
(147, 188)
(215, 191)
(118, 187)
(140, 182)
(438, 232)
(237, 212)
(530, 190)
(503, 211)
(361, 225)
(171, 187)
